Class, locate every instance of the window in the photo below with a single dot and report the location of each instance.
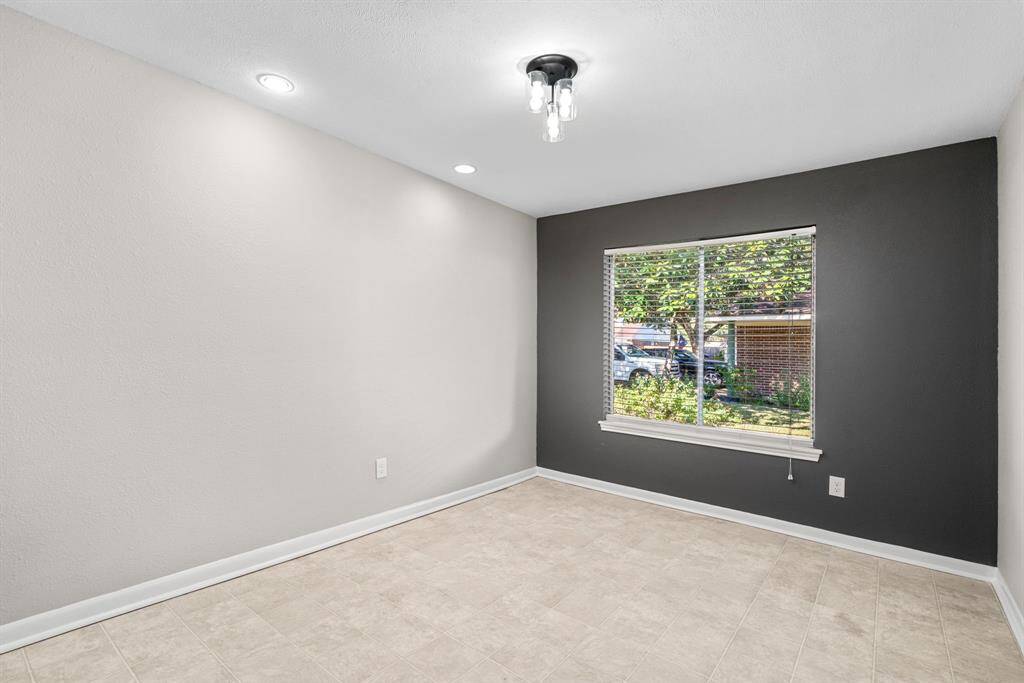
(725, 330)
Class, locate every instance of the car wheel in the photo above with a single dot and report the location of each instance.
(638, 374)
(712, 378)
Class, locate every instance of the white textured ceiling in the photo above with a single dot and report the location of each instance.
(674, 96)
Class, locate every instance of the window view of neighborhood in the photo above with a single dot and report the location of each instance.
(718, 335)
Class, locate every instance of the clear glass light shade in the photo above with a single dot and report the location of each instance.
(565, 99)
(554, 127)
(537, 91)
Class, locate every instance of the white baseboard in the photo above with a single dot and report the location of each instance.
(1011, 609)
(63, 619)
(886, 550)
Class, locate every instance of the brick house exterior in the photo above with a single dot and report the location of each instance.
(777, 351)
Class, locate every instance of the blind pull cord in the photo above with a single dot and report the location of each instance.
(790, 476)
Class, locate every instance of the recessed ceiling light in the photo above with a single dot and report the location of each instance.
(465, 168)
(275, 83)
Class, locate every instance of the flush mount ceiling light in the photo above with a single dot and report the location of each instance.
(275, 83)
(464, 168)
(552, 92)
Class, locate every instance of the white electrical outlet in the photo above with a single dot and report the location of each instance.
(837, 487)
(382, 468)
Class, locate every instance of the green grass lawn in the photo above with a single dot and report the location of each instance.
(768, 418)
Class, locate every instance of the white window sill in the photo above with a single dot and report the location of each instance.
(734, 439)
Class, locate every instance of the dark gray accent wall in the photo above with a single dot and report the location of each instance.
(906, 349)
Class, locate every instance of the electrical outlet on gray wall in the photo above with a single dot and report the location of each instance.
(837, 487)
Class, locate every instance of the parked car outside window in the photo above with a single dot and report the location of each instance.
(632, 363)
(713, 369)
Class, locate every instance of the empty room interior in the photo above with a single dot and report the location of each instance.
(473, 341)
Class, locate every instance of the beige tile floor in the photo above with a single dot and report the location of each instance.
(545, 581)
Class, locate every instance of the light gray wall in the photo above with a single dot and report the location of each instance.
(215, 319)
(1011, 348)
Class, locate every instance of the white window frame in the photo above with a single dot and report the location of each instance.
(800, 448)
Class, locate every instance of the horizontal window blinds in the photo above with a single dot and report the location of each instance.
(717, 333)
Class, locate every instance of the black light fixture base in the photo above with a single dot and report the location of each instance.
(556, 67)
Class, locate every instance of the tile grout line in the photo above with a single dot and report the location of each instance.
(490, 657)
(465, 676)
(278, 631)
(380, 643)
(698, 588)
(363, 633)
(807, 629)
(1006, 620)
(242, 602)
(444, 632)
(118, 651)
(573, 649)
(575, 646)
(28, 664)
(647, 651)
(739, 625)
(671, 623)
(675, 619)
(298, 590)
(942, 626)
(203, 643)
(399, 656)
(487, 657)
(874, 635)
